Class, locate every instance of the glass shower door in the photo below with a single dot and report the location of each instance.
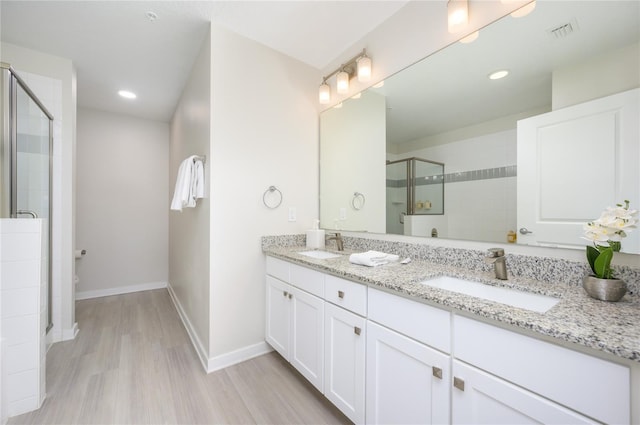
(397, 195)
(27, 152)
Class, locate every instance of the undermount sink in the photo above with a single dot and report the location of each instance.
(513, 297)
(320, 255)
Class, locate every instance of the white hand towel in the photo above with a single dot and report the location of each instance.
(189, 184)
(372, 258)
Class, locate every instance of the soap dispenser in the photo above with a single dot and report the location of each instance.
(315, 236)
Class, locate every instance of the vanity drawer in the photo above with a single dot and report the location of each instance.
(346, 294)
(278, 268)
(594, 387)
(306, 279)
(422, 322)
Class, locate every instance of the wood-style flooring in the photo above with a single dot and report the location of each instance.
(133, 363)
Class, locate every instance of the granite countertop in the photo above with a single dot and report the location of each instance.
(609, 327)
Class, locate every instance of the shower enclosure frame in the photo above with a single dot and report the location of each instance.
(9, 165)
(411, 182)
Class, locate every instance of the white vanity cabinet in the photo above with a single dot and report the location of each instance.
(295, 319)
(382, 358)
(501, 376)
(408, 381)
(345, 345)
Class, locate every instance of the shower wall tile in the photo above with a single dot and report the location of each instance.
(21, 309)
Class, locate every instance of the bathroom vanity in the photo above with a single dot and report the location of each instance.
(386, 348)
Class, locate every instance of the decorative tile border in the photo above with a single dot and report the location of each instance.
(544, 269)
(462, 176)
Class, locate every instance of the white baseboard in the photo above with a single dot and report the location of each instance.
(69, 334)
(197, 344)
(85, 295)
(237, 356)
(211, 364)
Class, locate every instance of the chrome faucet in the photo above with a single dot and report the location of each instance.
(338, 238)
(496, 257)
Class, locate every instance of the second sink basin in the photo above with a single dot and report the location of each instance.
(320, 255)
(513, 297)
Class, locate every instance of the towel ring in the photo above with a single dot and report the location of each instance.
(358, 200)
(271, 189)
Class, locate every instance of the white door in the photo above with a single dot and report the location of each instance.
(574, 162)
(407, 382)
(307, 336)
(345, 345)
(481, 398)
(278, 315)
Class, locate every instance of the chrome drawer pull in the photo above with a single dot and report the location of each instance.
(357, 330)
(458, 383)
(340, 294)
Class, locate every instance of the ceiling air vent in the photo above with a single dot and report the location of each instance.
(563, 30)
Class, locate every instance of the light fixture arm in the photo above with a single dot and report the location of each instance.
(349, 66)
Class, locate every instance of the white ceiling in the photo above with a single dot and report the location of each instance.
(450, 90)
(115, 46)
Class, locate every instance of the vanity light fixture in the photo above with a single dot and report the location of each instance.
(523, 11)
(470, 38)
(127, 94)
(457, 15)
(498, 74)
(324, 93)
(342, 82)
(359, 65)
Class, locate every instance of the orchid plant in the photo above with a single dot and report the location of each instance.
(606, 234)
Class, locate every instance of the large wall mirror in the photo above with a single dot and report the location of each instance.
(544, 149)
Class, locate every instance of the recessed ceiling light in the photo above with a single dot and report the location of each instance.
(127, 94)
(151, 16)
(498, 74)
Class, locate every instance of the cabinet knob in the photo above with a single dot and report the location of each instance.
(290, 296)
(437, 372)
(458, 383)
(357, 330)
(284, 293)
(340, 294)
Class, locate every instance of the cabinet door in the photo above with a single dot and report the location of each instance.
(486, 399)
(345, 346)
(278, 306)
(307, 336)
(407, 382)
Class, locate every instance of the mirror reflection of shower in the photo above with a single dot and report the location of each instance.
(25, 161)
(415, 186)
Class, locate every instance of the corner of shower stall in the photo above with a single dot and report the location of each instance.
(25, 232)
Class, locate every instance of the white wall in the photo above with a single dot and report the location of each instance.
(264, 132)
(63, 219)
(611, 73)
(122, 197)
(189, 244)
(356, 156)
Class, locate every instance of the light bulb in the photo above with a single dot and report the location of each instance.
(524, 10)
(342, 82)
(457, 14)
(470, 38)
(324, 93)
(364, 69)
